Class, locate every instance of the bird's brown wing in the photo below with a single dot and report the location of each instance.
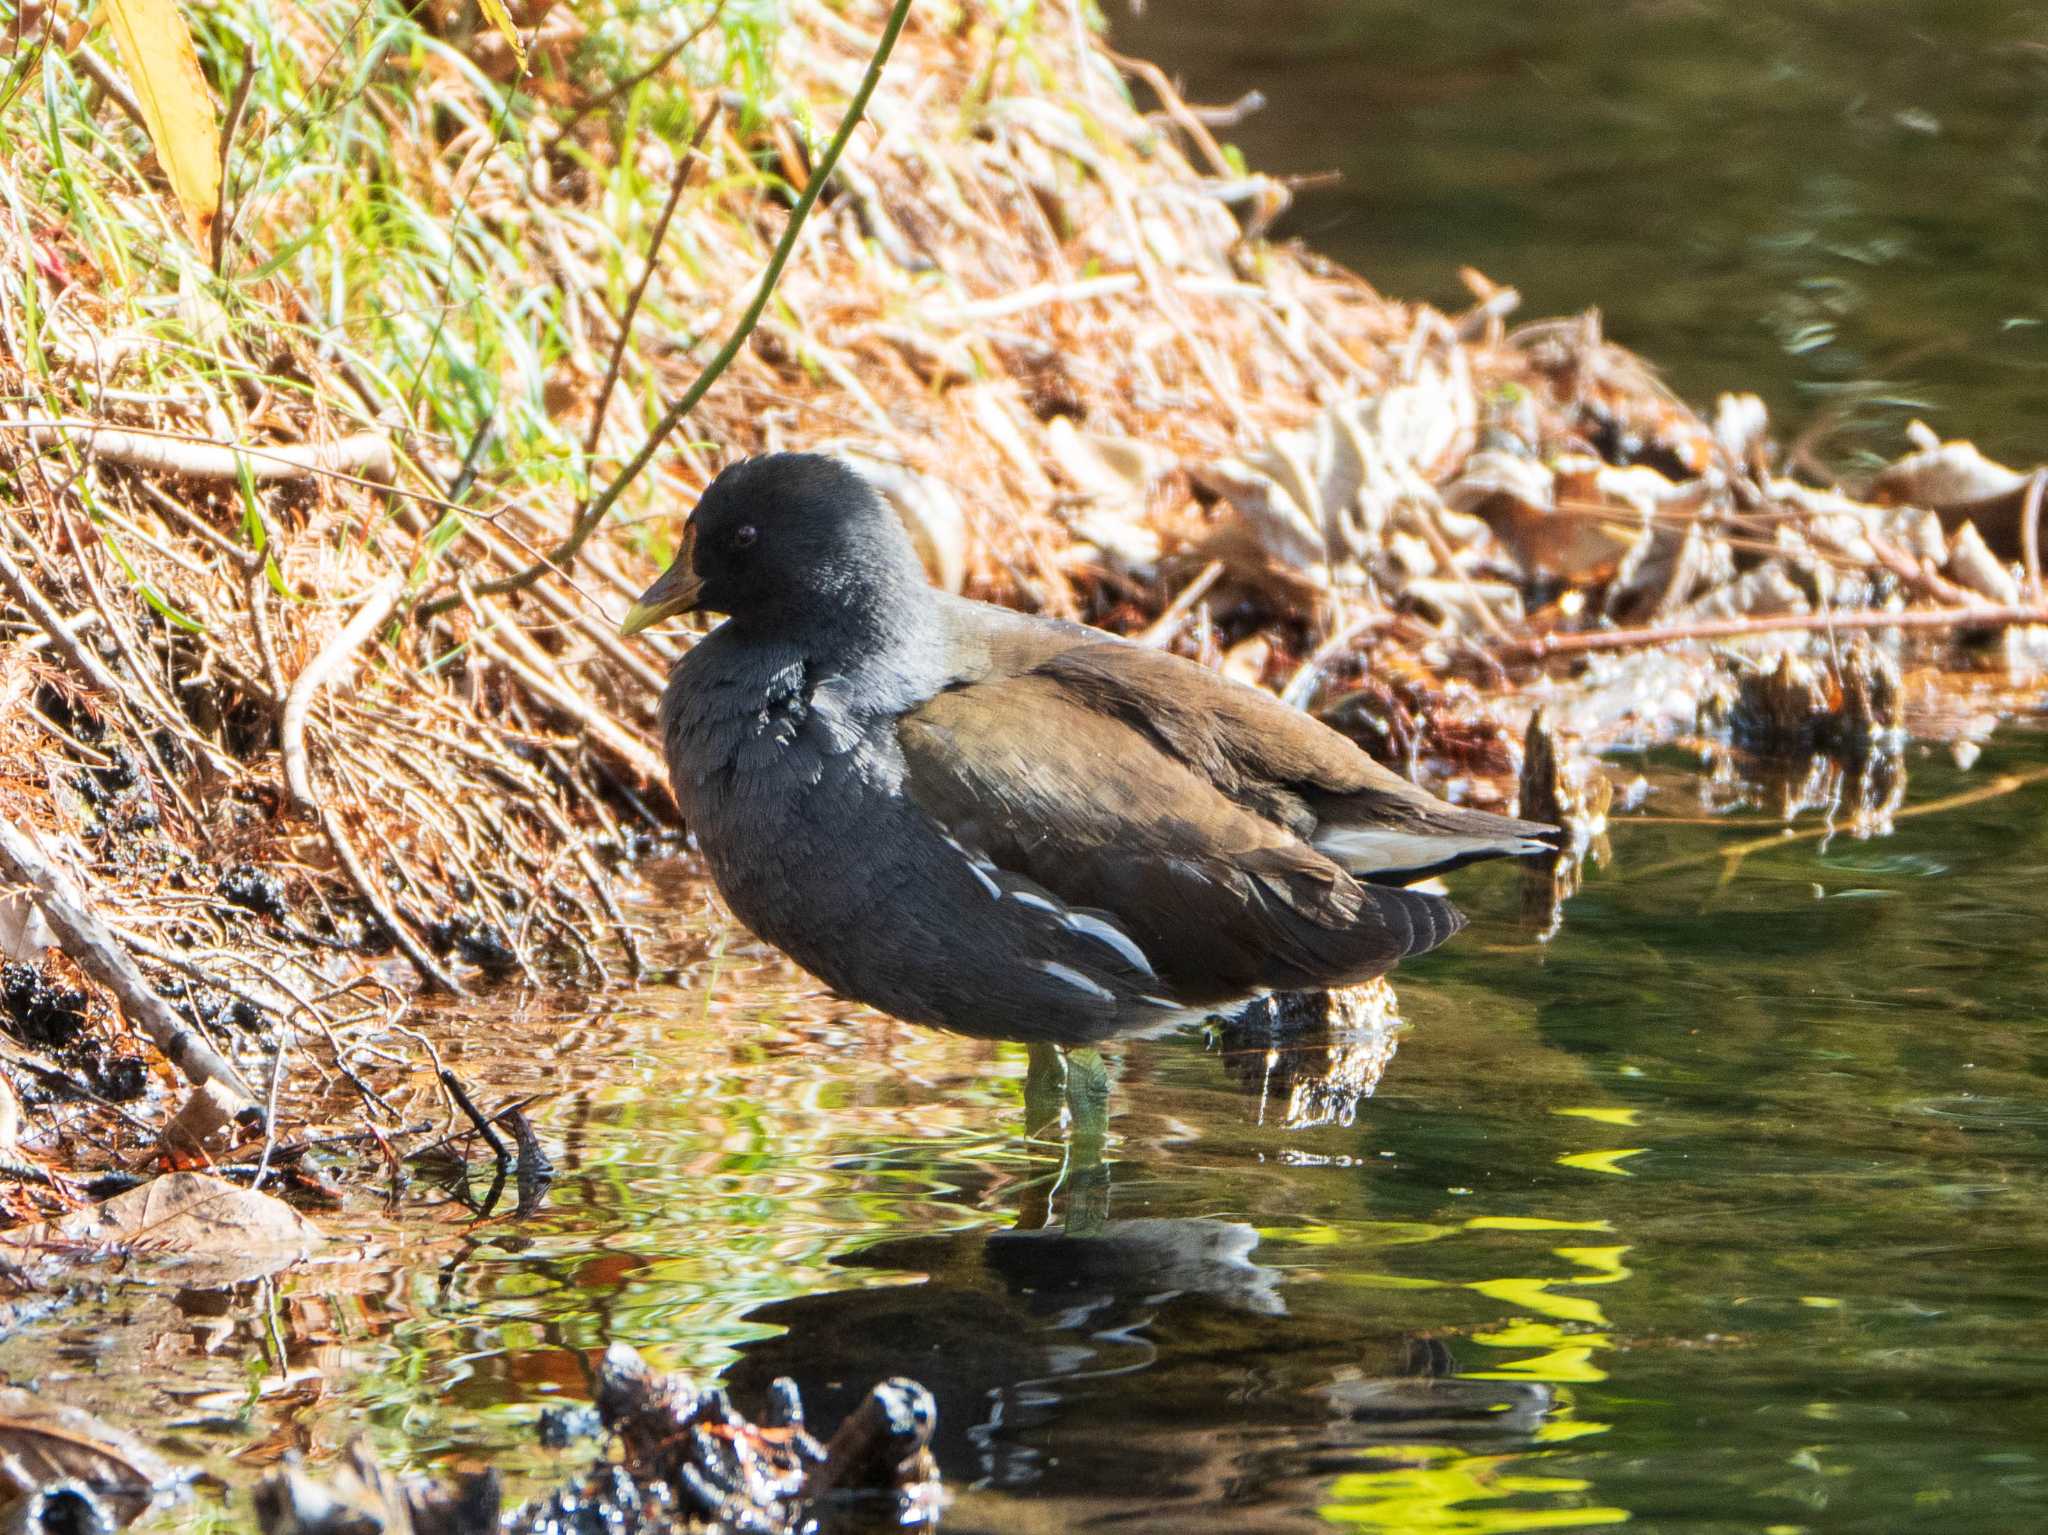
(1023, 771)
(1285, 765)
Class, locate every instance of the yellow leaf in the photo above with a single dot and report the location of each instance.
(496, 14)
(156, 49)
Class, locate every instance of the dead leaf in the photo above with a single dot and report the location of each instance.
(1972, 565)
(1523, 501)
(500, 18)
(1317, 502)
(1960, 484)
(209, 1110)
(193, 1219)
(23, 932)
(1114, 476)
(156, 49)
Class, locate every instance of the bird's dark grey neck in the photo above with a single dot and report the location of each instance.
(875, 623)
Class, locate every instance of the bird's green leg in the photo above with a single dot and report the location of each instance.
(1086, 1175)
(1045, 1085)
(1066, 1092)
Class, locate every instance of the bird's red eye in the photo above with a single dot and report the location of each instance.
(744, 535)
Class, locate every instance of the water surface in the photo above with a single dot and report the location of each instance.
(1836, 203)
(1725, 1209)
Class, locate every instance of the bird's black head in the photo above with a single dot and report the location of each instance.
(789, 541)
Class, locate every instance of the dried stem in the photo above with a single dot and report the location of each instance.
(376, 609)
(366, 454)
(1543, 647)
(685, 163)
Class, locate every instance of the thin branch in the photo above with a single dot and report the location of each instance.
(229, 127)
(475, 1116)
(684, 166)
(1163, 628)
(565, 553)
(377, 608)
(51, 622)
(108, 79)
(1177, 108)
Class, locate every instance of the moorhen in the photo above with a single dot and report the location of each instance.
(1008, 826)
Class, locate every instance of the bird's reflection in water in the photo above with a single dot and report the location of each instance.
(1093, 1349)
(1134, 1356)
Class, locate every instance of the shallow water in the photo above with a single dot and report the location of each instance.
(1725, 1209)
(1836, 203)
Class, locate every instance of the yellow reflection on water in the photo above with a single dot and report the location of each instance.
(1565, 1354)
(1435, 1489)
(1601, 1115)
(1602, 1161)
(1557, 1337)
(1536, 1295)
(1549, 1341)
(1566, 1358)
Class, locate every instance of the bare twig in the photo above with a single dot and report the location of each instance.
(366, 453)
(1163, 628)
(230, 126)
(52, 623)
(108, 79)
(375, 611)
(1190, 122)
(510, 647)
(99, 954)
(1301, 686)
(474, 1115)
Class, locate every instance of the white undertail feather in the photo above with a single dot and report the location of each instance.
(1372, 850)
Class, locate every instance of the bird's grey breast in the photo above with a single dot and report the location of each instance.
(784, 780)
(749, 731)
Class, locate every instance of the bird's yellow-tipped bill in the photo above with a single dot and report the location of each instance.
(675, 591)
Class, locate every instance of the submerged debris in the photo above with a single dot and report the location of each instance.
(361, 1498)
(1312, 1057)
(1567, 792)
(1848, 704)
(214, 1232)
(690, 1461)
